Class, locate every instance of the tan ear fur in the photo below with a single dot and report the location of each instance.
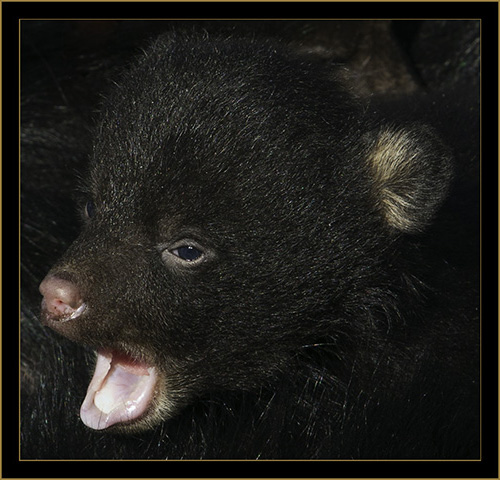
(411, 172)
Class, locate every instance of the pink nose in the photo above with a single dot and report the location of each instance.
(62, 300)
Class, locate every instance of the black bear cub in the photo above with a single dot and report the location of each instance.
(246, 234)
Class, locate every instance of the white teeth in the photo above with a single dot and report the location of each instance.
(116, 394)
(121, 389)
(102, 368)
(105, 403)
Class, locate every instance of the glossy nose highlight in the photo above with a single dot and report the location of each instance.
(62, 299)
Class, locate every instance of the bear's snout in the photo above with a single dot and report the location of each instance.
(62, 300)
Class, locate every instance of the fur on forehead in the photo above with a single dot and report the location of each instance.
(212, 110)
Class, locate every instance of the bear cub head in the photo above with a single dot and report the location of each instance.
(240, 205)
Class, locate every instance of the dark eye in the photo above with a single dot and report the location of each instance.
(187, 253)
(90, 209)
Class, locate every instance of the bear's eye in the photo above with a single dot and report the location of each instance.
(187, 253)
(89, 209)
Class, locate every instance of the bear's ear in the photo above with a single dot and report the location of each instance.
(411, 173)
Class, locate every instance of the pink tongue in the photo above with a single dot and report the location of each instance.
(120, 391)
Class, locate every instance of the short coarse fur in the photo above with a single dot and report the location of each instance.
(305, 327)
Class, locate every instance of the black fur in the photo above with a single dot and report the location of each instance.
(313, 327)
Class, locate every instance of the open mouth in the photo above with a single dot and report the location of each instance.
(120, 391)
